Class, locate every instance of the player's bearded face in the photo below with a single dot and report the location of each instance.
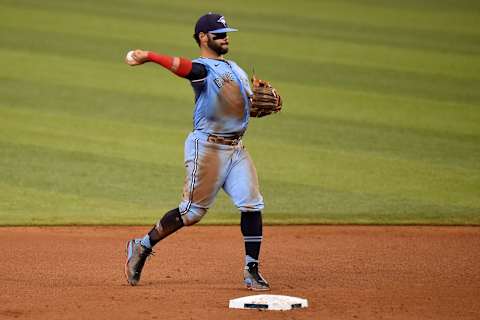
(219, 46)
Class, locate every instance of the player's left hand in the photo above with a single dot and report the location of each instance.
(265, 99)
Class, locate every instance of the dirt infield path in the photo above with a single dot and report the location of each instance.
(345, 273)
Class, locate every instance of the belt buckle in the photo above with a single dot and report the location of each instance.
(223, 140)
(215, 139)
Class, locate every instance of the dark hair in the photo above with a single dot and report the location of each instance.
(197, 38)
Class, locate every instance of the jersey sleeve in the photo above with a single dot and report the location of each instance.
(198, 77)
(198, 72)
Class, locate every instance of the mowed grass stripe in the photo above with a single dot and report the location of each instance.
(341, 206)
(383, 57)
(362, 171)
(438, 86)
(88, 175)
(389, 110)
(62, 132)
(131, 29)
(85, 42)
(349, 77)
(99, 48)
(435, 148)
(319, 104)
(308, 13)
(152, 110)
(58, 70)
(47, 207)
(166, 34)
(337, 134)
(47, 21)
(110, 138)
(378, 80)
(425, 15)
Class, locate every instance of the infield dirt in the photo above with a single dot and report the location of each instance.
(345, 272)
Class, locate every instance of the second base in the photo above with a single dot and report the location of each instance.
(268, 302)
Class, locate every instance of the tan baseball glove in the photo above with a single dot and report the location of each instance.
(265, 99)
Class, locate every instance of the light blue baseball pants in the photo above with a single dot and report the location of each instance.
(212, 166)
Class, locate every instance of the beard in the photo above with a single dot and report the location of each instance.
(218, 49)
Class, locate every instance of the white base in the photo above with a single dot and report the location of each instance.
(268, 302)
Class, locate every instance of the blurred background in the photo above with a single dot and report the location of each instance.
(381, 119)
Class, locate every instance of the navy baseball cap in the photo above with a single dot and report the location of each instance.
(213, 23)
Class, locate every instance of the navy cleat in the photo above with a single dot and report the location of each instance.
(253, 279)
(136, 257)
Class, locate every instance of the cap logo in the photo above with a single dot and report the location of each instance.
(222, 21)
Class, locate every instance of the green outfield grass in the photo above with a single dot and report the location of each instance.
(381, 122)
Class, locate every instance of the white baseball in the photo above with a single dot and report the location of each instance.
(130, 57)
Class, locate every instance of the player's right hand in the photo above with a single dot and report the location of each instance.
(139, 57)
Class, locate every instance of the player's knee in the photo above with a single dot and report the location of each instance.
(193, 216)
(251, 206)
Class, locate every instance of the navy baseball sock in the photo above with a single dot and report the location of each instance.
(251, 225)
(171, 222)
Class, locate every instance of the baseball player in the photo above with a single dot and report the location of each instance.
(215, 157)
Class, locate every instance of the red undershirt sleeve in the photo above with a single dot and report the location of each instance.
(180, 66)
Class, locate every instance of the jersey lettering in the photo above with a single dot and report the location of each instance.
(226, 76)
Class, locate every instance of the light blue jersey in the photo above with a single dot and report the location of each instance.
(222, 103)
